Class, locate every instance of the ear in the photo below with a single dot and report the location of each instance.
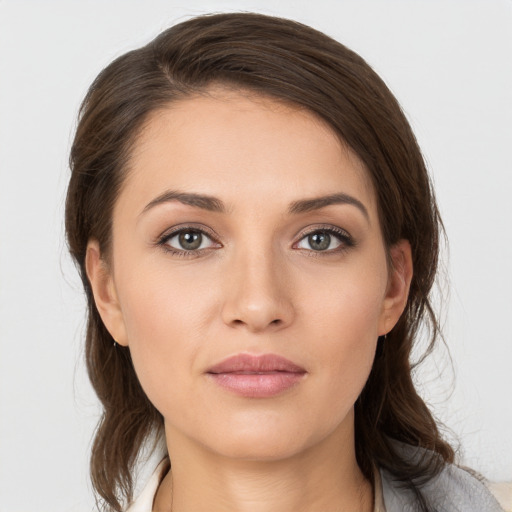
(105, 295)
(399, 282)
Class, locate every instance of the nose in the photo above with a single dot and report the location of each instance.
(258, 295)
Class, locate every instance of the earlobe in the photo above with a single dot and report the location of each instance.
(105, 295)
(399, 282)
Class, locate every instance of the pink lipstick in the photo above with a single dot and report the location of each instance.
(255, 376)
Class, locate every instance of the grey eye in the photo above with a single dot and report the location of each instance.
(319, 241)
(189, 240)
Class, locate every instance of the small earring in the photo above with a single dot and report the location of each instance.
(115, 343)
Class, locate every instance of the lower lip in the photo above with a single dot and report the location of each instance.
(261, 385)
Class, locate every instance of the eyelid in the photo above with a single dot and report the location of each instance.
(343, 236)
(176, 230)
(323, 227)
(192, 226)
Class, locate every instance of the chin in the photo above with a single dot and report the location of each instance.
(265, 440)
(262, 448)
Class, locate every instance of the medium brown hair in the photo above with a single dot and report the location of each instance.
(294, 63)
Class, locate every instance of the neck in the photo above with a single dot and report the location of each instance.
(322, 477)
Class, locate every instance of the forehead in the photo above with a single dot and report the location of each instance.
(224, 142)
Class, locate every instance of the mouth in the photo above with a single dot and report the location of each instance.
(261, 376)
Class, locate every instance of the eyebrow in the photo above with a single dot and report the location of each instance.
(204, 202)
(308, 205)
(214, 204)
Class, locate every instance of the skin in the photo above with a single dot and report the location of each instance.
(257, 286)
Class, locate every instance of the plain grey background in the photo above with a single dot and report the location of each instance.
(449, 64)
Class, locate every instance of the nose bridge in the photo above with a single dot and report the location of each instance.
(258, 295)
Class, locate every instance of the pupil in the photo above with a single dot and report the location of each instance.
(319, 241)
(190, 240)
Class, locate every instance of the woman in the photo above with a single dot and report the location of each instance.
(257, 237)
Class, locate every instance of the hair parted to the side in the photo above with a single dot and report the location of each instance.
(296, 64)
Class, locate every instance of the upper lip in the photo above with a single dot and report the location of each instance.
(249, 363)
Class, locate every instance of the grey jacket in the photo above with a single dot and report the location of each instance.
(453, 490)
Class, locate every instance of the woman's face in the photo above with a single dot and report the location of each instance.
(246, 229)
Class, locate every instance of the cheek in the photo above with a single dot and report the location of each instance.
(344, 324)
(165, 325)
(347, 304)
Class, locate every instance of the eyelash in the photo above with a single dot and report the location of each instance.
(184, 253)
(343, 237)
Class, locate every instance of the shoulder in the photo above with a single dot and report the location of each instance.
(452, 490)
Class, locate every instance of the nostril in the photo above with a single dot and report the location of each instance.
(275, 322)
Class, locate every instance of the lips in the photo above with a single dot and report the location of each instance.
(253, 376)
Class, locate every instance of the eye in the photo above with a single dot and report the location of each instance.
(187, 240)
(325, 240)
